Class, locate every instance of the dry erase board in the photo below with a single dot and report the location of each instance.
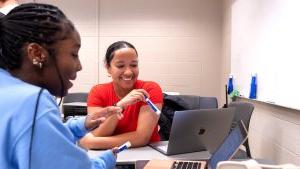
(265, 39)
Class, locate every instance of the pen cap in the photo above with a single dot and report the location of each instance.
(253, 87)
(127, 144)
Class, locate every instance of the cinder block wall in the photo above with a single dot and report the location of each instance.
(274, 133)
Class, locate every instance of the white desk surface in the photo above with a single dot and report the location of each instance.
(148, 153)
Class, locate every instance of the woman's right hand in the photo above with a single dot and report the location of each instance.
(134, 96)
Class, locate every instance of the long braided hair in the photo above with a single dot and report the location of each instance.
(43, 24)
(30, 23)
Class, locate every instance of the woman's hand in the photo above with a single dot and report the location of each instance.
(94, 119)
(134, 96)
(115, 151)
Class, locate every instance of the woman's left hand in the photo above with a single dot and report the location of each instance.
(115, 151)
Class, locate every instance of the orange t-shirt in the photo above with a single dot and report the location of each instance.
(103, 95)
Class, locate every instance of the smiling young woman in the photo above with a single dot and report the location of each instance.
(139, 122)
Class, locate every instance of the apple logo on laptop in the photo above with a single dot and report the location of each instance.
(201, 131)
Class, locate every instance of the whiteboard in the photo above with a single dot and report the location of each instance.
(265, 40)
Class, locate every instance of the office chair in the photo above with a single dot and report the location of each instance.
(74, 110)
(75, 97)
(199, 102)
(243, 111)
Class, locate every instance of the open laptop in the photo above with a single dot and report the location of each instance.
(225, 151)
(196, 130)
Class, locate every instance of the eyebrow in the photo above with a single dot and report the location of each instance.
(121, 61)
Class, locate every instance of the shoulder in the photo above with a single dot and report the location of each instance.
(48, 102)
(99, 94)
(31, 99)
(153, 89)
(148, 85)
(42, 99)
(33, 94)
(101, 87)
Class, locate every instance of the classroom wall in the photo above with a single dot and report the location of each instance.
(225, 56)
(179, 42)
(274, 131)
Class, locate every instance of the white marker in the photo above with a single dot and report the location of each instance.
(153, 107)
(124, 146)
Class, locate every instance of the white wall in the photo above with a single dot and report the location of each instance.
(274, 131)
(225, 56)
(179, 42)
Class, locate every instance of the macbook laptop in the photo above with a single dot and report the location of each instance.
(225, 151)
(196, 130)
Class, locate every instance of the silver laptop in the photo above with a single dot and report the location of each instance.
(196, 130)
(227, 149)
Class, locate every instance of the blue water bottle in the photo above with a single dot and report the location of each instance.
(230, 84)
(253, 87)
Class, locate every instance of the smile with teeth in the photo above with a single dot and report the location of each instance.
(127, 78)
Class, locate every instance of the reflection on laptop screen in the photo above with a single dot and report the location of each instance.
(228, 147)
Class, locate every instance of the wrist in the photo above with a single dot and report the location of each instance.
(91, 124)
(119, 105)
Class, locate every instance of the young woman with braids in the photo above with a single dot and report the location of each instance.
(38, 59)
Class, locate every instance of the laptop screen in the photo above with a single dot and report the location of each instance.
(230, 145)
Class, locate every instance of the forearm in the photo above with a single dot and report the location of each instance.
(77, 127)
(136, 138)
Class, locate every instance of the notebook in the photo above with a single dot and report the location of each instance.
(225, 151)
(196, 130)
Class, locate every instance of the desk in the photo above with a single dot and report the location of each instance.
(148, 153)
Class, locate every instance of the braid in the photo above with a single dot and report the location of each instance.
(30, 23)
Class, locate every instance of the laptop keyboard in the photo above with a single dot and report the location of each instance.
(186, 165)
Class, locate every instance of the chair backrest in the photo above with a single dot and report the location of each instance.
(243, 111)
(199, 102)
(74, 110)
(75, 97)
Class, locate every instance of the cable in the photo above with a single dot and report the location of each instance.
(33, 126)
(61, 80)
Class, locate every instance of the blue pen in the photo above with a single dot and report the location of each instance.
(153, 107)
(124, 146)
